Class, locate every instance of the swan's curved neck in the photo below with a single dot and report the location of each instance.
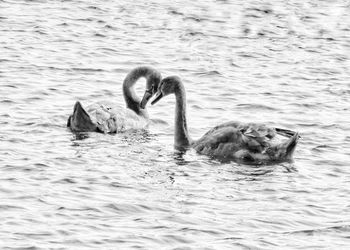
(130, 96)
(182, 139)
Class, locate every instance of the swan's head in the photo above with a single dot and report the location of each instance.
(152, 84)
(167, 86)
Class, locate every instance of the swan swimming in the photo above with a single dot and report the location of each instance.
(108, 117)
(245, 142)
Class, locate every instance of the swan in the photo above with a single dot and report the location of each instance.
(244, 142)
(108, 117)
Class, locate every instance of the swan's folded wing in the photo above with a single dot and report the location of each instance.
(109, 119)
(258, 131)
(226, 139)
(231, 124)
(221, 141)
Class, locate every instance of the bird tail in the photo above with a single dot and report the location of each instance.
(285, 132)
(287, 148)
(80, 121)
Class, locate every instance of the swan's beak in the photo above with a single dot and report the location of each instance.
(145, 99)
(157, 98)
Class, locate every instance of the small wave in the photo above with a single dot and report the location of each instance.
(234, 64)
(10, 207)
(7, 101)
(34, 235)
(6, 60)
(338, 229)
(88, 69)
(83, 19)
(35, 98)
(307, 105)
(110, 50)
(256, 107)
(175, 12)
(65, 180)
(55, 68)
(308, 124)
(320, 148)
(40, 32)
(194, 18)
(208, 73)
(108, 26)
(197, 107)
(23, 248)
(85, 208)
(99, 35)
(120, 185)
(194, 33)
(94, 8)
(159, 121)
(264, 10)
(126, 208)
(247, 55)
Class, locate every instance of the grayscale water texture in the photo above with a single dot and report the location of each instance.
(284, 63)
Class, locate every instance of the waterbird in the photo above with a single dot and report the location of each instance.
(109, 117)
(250, 143)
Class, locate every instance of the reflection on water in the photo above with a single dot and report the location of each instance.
(79, 136)
(283, 63)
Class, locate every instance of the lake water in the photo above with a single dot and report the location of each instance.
(285, 64)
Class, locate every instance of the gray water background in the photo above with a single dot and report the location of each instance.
(284, 63)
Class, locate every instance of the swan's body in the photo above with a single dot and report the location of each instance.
(247, 142)
(108, 117)
(105, 117)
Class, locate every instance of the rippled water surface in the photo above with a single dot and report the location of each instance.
(285, 64)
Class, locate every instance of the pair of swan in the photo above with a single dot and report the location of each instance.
(246, 142)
